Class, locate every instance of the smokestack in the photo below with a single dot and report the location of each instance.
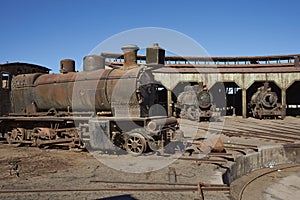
(266, 85)
(67, 65)
(130, 55)
(155, 55)
(200, 85)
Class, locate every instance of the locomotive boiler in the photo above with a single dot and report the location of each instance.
(195, 103)
(101, 108)
(264, 104)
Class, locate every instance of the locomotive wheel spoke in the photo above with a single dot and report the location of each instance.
(18, 134)
(135, 143)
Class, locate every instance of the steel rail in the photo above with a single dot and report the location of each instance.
(208, 161)
(206, 186)
(178, 189)
(263, 174)
(260, 135)
(121, 189)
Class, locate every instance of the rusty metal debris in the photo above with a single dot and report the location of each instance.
(242, 148)
(172, 175)
(204, 160)
(211, 145)
(14, 168)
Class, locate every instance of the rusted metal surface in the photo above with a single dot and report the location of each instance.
(7, 72)
(91, 90)
(44, 137)
(214, 144)
(175, 188)
(202, 160)
(195, 103)
(93, 62)
(130, 56)
(67, 65)
(83, 91)
(162, 183)
(201, 187)
(228, 156)
(264, 104)
(155, 55)
(120, 99)
(242, 148)
(157, 124)
(158, 189)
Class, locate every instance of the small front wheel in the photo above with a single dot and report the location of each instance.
(135, 143)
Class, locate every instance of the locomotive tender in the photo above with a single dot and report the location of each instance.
(264, 104)
(99, 108)
(195, 103)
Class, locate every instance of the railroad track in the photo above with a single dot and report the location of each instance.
(235, 129)
(264, 173)
(159, 187)
(261, 129)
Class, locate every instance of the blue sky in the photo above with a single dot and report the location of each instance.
(46, 31)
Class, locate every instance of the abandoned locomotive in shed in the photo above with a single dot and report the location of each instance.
(102, 107)
(264, 104)
(195, 103)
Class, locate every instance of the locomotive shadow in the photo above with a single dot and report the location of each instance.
(121, 197)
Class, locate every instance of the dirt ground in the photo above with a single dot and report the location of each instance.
(280, 184)
(30, 168)
(34, 168)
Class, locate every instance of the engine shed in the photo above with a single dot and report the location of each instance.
(231, 80)
(8, 70)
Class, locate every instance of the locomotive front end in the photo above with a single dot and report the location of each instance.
(196, 103)
(264, 104)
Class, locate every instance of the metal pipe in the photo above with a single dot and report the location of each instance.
(156, 124)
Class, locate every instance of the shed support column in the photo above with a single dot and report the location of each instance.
(169, 101)
(244, 102)
(283, 97)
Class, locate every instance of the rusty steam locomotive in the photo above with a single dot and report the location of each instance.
(104, 108)
(264, 104)
(195, 103)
